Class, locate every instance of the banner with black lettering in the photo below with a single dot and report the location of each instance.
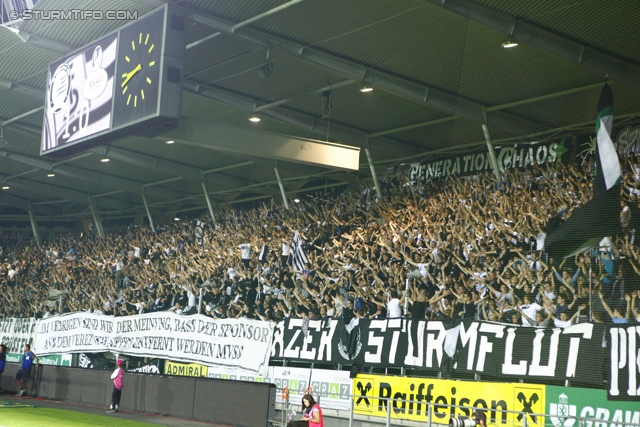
(230, 342)
(407, 398)
(15, 333)
(510, 352)
(623, 354)
(391, 342)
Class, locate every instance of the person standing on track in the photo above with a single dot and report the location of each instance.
(3, 360)
(22, 376)
(117, 377)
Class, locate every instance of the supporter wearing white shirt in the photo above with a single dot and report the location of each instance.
(564, 321)
(191, 296)
(530, 309)
(246, 253)
(548, 292)
(393, 306)
(286, 251)
(423, 267)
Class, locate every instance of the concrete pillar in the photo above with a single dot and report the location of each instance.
(34, 224)
(284, 194)
(374, 175)
(206, 196)
(492, 153)
(146, 206)
(96, 217)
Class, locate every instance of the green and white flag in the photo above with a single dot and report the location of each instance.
(599, 217)
(607, 156)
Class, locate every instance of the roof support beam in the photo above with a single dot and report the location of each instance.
(109, 181)
(265, 14)
(148, 162)
(31, 91)
(146, 207)
(415, 92)
(281, 185)
(335, 131)
(493, 108)
(46, 43)
(164, 166)
(96, 217)
(597, 60)
(34, 225)
(26, 205)
(374, 175)
(144, 161)
(271, 163)
(20, 116)
(209, 205)
(54, 191)
(280, 147)
(266, 106)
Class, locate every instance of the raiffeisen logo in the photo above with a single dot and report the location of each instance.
(562, 411)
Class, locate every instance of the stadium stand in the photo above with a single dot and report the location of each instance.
(466, 244)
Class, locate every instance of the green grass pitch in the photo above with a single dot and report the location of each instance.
(47, 417)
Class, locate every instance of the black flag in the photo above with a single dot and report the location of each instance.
(600, 216)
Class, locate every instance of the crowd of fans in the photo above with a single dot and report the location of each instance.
(464, 247)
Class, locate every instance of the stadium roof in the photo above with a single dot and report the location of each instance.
(437, 68)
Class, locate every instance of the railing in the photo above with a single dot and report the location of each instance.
(431, 406)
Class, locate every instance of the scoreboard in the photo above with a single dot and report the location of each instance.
(127, 82)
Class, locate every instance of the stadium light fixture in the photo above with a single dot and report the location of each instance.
(296, 200)
(364, 88)
(176, 219)
(104, 159)
(254, 119)
(51, 175)
(171, 141)
(5, 187)
(508, 43)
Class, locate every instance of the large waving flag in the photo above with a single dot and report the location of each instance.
(600, 216)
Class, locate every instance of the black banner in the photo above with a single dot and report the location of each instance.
(623, 352)
(509, 352)
(504, 352)
(370, 342)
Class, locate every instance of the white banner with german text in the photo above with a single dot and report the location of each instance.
(15, 333)
(229, 342)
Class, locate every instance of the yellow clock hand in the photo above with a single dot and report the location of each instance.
(131, 74)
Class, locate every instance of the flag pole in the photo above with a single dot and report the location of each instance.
(406, 297)
(590, 291)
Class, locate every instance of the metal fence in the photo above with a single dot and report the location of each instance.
(522, 418)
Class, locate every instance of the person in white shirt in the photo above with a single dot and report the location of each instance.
(286, 251)
(393, 306)
(192, 299)
(246, 254)
(564, 321)
(548, 291)
(530, 309)
(231, 272)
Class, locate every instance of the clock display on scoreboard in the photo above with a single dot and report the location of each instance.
(138, 75)
(79, 94)
(128, 82)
